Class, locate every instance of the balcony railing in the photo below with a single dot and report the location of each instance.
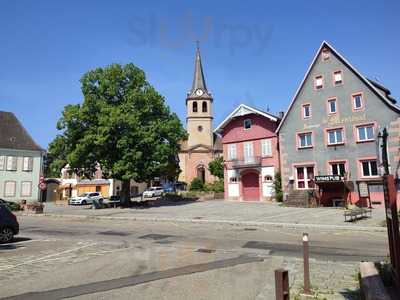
(251, 161)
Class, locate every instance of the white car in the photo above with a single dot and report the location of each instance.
(154, 191)
(85, 198)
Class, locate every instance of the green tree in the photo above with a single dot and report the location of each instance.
(123, 124)
(55, 159)
(216, 167)
(278, 187)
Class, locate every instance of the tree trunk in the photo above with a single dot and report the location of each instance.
(126, 193)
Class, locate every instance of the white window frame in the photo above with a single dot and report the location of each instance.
(364, 127)
(306, 145)
(232, 152)
(27, 163)
(249, 121)
(248, 151)
(306, 116)
(266, 147)
(12, 163)
(338, 82)
(369, 167)
(306, 179)
(337, 163)
(14, 188)
(316, 80)
(335, 130)
(233, 179)
(354, 101)
(23, 194)
(330, 106)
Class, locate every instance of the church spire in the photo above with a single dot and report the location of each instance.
(198, 79)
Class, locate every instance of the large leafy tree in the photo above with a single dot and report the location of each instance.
(123, 124)
(216, 167)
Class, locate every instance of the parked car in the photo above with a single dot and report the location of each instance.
(85, 198)
(9, 226)
(169, 188)
(154, 191)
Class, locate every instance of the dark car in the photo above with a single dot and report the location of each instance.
(8, 224)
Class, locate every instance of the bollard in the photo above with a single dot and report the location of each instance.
(306, 265)
(282, 284)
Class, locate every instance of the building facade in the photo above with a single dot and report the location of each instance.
(72, 185)
(202, 145)
(250, 151)
(331, 128)
(21, 161)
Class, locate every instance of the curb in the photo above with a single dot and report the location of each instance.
(228, 222)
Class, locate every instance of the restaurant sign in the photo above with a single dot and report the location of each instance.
(329, 178)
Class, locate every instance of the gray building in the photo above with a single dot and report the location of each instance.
(21, 161)
(331, 128)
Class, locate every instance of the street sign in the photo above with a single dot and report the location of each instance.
(329, 178)
(363, 189)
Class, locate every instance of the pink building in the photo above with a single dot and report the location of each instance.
(251, 156)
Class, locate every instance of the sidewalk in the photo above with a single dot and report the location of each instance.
(235, 213)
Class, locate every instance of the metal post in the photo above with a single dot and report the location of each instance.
(385, 160)
(282, 284)
(306, 264)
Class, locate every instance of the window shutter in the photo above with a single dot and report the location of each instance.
(25, 162)
(2, 162)
(14, 163)
(30, 163)
(266, 147)
(26, 189)
(9, 190)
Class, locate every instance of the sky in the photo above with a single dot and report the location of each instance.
(253, 52)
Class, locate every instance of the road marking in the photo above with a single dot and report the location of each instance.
(106, 285)
(46, 257)
(282, 215)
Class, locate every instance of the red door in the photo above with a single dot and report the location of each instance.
(251, 186)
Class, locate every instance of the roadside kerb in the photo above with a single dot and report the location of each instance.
(228, 222)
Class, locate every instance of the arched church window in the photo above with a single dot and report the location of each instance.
(195, 106)
(204, 106)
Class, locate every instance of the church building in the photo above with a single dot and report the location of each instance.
(202, 145)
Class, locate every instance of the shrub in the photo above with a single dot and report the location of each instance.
(278, 187)
(196, 185)
(13, 206)
(173, 197)
(216, 186)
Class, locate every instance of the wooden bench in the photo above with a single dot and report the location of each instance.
(357, 213)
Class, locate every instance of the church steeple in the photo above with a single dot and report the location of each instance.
(199, 115)
(199, 88)
(198, 79)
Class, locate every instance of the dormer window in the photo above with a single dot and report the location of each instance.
(194, 106)
(247, 124)
(204, 106)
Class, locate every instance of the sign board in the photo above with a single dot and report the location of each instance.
(363, 189)
(329, 178)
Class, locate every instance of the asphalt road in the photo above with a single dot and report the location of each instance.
(56, 258)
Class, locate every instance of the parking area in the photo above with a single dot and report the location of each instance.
(225, 211)
(104, 259)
